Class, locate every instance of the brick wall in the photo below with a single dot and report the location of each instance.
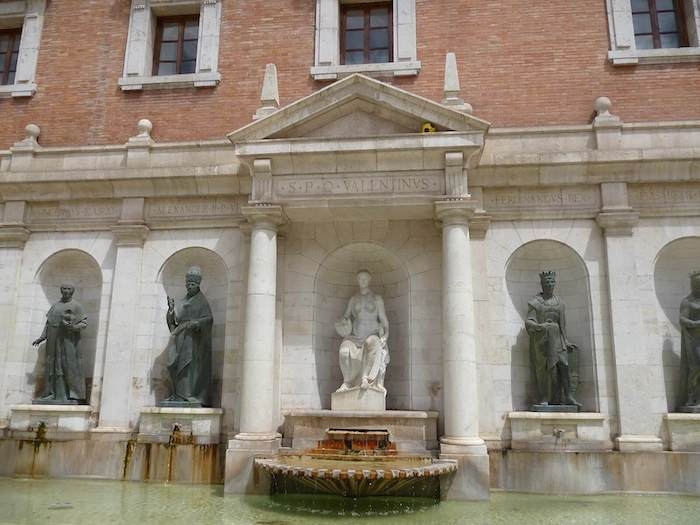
(521, 64)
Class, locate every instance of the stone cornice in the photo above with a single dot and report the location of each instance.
(130, 234)
(618, 223)
(267, 216)
(13, 236)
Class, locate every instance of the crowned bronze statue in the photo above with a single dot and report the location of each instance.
(189, 346)
(690, 347)
(64, 382)
(553, 359)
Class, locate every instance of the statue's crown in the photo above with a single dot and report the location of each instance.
(194, 274)
(548, 273)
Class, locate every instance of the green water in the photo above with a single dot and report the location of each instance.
(58, 502)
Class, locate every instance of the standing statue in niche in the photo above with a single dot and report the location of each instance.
(690, 346)
(189, 347)
(364, 327)
(65, 383)
(553, 359)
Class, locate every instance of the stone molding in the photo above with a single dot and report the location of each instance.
(130, 234)
(618, 223)
(268, 217)
(13, 236)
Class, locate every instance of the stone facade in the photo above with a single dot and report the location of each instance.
(454, 226)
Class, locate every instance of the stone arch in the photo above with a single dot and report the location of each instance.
(171, 282)
(522, 282)
(335, 283)
(83, 271)
(672, 266)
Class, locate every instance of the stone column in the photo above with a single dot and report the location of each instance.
(130, 235)
(460, 401)
(637, 379)
(258, 433)
(13, 236)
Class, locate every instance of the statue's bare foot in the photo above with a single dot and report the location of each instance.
(571, 401)
(343, 388)
(48, 397)
(365, 384)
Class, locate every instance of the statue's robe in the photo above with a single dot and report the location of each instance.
(63, 366)
(189, 350)
(690, 352)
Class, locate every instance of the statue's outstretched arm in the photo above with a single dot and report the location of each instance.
(381, 315)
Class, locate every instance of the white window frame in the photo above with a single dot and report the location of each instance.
(138, 60)
(327, 56)
(29, 15)
(623, 51)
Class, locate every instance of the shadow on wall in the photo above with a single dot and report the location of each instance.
(523, 282)
(171, 281)
(671, 284)
(81, 270)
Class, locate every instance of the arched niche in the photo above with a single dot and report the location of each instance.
(671, 284)
(214, 285)
(335, 284)
(82, 271)
(523, 282)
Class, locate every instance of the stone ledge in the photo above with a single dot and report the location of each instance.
(559, 431)
(684, 432)
(199, 426)
(59, 421)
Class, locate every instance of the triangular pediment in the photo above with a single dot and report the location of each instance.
(357, 106)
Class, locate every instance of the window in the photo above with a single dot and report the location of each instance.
(176, 45)
(370, 37)
(172, 43)
(9, 50)
(656, 24)
(21, 24)
(365, 37)
(653, 31)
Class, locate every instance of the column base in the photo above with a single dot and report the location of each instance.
(241, 476)
(471, 481)
(638, 443)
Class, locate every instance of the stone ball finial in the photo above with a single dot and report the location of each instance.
(144, 127)
(602, 105)
(32, 131)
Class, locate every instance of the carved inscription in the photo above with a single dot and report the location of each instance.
(550, 198)
(204, 207)
(64, 211)
(663, 195)
(383, 184)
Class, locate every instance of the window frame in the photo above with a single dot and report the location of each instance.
(366, 29)
(160, 22)
(16, 38)
(623, 50)
(656, 32)
(26, 17)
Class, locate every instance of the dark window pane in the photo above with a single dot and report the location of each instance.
(188, 66)
(667, 22)
(4, 43)
(16, 46)
(378, 38)
(354, 40)
(166, 68)
(171, 31)
(13, 62)
(670, 40)
(168, 51)
(3, 57)
(642, 23)
(189, 51)
(192, 30)
(11, 77)
(664, 5)
(354, 57)
(379, 57)
(355, 20)
(640, 5)
(379, 18)
(644, 42)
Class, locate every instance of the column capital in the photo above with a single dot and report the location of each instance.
(456, 211)
(13, 236)
(130, 234)
(268, 217)
(618, 223)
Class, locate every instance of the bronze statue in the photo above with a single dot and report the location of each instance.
(690, 346)
(553, 359)
(64, 379)
(189, 347)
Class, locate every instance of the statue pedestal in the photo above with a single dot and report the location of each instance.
(559, 431)
(196, 426)
(363, 400)
(684, 431)
(554, 408)
(50, 421)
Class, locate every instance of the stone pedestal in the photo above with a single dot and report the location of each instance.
(411, 431)
(559, 431)
(51, 422)
(197, 426)
(684, 432)
(364, 400)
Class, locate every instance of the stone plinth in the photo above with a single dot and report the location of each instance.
(684, 432)
(198, 426)
(54, 422)
(559, 431)
(411, 431)
(359, 399)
